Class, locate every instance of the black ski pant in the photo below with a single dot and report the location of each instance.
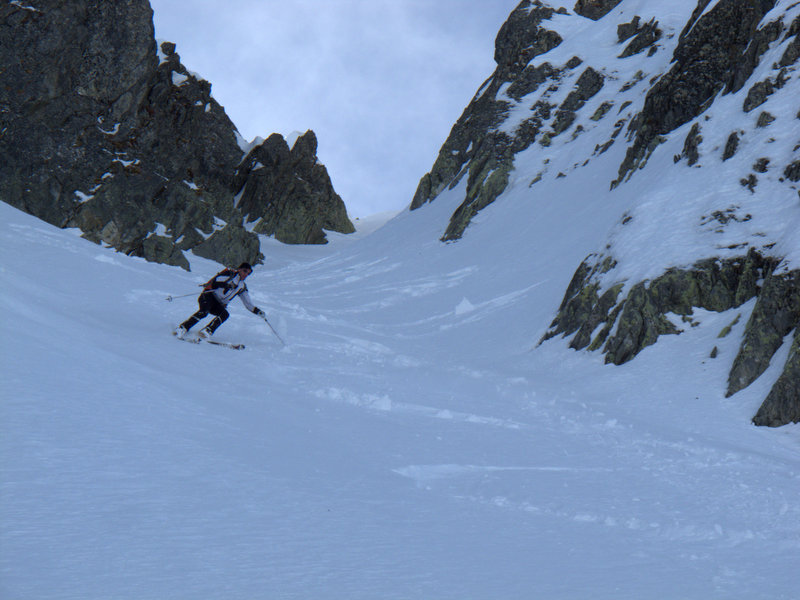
(208, 304)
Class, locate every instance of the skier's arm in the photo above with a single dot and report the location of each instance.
(248, 304)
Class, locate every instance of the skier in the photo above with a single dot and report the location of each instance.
(221, 289)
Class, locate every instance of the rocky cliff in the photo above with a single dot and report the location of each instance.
(689, 122)
(101, 129)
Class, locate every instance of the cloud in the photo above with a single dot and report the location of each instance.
(381, 82)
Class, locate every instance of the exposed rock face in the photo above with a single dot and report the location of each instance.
(712, 56)
(475, 148)
(644, 36)
(775, 315)
(781, 405)
(103, 133)
(595, 9)
(284, 189)
(639, 318)
(670, 84)
(61, 76)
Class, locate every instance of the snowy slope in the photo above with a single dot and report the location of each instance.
(408, 443)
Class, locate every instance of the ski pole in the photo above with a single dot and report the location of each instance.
(171, 298)
(273, 330)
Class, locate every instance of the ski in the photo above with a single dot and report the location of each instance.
(225, 344)
(198, 340)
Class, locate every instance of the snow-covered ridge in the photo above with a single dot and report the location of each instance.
(604, 125)
(676, 128)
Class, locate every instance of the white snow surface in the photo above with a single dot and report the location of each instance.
(411, 441)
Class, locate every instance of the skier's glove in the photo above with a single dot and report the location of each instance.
(260, 313)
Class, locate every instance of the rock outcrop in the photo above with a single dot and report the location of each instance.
(599, 319)
(717, 53)
(102, 130)
(476, 148)
(781, 406)
(595, 9)
(284, 190)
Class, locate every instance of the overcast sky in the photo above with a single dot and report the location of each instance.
(381, 82)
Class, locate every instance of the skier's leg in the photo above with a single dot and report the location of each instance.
(192, 321)
(218, 320)
(202, 313)
(216, 308)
